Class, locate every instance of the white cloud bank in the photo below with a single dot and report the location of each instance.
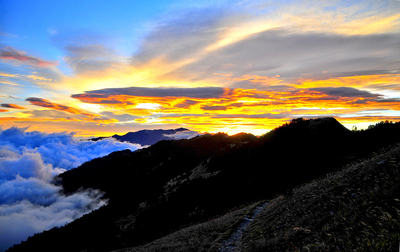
(187, 134)
(29, 201)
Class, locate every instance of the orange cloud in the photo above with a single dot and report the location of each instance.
(238, 103)
(234, 110)
(350, 81)
(14, 106)
(8, 120)
(48, 104)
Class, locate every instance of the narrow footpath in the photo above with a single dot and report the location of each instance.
(232, 243)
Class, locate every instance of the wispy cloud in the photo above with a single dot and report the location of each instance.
(8, 97)
(11, 54)
(48, 104)
(89, 58)
(13, 106)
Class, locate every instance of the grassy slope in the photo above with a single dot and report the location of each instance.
(200, 237)
(355, 209)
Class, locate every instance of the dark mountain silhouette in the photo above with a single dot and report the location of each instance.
(171, 184)
(145, 137)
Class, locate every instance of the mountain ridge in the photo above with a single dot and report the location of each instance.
(158, 189)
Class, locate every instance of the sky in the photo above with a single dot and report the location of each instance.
(97, 68)
(79, 68)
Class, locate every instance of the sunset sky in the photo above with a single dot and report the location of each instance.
(103, 67)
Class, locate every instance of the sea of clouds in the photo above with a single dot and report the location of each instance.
(29, 202)
(187, 134)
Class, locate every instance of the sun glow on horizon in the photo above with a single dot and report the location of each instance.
(248, 69)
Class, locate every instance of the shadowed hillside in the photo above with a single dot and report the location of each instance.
(354, 209)
(173, 184)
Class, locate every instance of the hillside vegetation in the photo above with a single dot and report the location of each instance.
(205, 236)
(172, 185)
(355, 209)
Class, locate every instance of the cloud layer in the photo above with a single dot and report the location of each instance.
(187, 134)
(267, 105)
(29, 201)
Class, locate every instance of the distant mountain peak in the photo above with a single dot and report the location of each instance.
(181, 129)
(150, 137)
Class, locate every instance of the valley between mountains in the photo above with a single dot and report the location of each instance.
(327, 188)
